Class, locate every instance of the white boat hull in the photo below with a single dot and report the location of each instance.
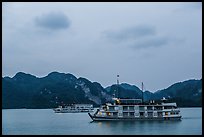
(98, 118)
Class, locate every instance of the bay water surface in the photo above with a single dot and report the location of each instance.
(46, 122)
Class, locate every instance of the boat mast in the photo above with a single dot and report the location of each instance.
(117, 85)
(142, 92)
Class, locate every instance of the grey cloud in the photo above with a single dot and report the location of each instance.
(150, 42)
(138, 37)
(53, 21)
(130, 33)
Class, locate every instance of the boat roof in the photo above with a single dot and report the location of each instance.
(169, 104)
(125, 99)
(129, 99)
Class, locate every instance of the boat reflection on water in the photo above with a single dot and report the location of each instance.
(139, 127)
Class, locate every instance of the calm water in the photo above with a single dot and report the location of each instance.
(46, 122)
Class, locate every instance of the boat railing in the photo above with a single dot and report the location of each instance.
(150, 110)
(128, 110)
(128, 116)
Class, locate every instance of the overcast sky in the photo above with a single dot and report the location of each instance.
(155, 43)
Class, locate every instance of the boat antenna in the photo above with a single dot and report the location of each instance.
(117, 85)
(142, 92)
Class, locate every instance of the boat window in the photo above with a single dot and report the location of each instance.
(149, 108)
(125, 113)
(108, 113)
(111, 108)
(172, 113)
(141, 107)
(132, 113)
(120, 114)
(114, 113)
(160, 114)
(131, 107)
(158, 108)
(168, 107)
(141, 113)
(150, 114)
(155, 113)
(125, 107)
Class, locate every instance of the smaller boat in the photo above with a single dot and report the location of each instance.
(74, 108)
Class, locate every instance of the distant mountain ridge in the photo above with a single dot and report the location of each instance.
(28, 91)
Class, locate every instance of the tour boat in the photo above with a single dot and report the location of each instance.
(136, 109)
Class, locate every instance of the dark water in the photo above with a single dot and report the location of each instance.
(46, 122)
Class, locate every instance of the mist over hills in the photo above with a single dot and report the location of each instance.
(28, 91)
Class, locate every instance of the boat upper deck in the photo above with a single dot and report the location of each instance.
(129, 102)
